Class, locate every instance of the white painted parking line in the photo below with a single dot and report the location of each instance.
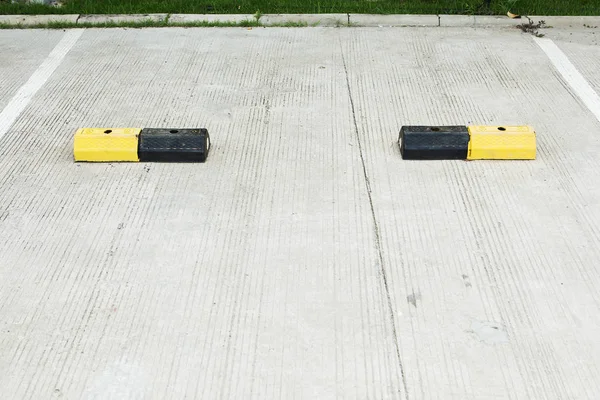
(573, 77)
(20, 100)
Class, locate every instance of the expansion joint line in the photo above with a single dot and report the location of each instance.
(378, 247)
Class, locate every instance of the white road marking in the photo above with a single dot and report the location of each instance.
(20, 100)
(573, 77)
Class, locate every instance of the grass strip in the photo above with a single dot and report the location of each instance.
(469, 7)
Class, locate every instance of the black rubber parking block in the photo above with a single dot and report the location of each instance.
(173, 145)
(434, 142)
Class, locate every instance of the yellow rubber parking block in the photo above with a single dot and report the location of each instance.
(501, 143)
(106, 144)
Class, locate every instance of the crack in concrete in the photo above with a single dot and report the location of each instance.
(376, 228)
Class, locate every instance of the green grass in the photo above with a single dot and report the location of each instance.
(525, 7)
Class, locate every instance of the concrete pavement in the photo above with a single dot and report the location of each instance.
(305, 258)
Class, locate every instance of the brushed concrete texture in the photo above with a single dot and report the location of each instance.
(470, 248)
(586, 58)
(305, 258)
(23, 51)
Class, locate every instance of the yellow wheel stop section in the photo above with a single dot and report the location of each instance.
(501, 143)
(106, 144)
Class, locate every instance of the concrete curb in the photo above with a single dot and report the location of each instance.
(499, 21)
(463, 21)
(393, 20)
(27, 20)
(457, 20)
(305, 19)
(210, 18)
(325, 20)
(568, 22)
(120, 18)
(492, 20)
